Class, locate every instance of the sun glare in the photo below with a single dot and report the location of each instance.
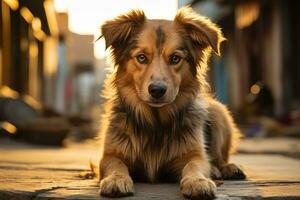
(86, 17)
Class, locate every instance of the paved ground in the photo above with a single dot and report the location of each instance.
(31, 172)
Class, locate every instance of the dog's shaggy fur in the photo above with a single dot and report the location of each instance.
(185, 135)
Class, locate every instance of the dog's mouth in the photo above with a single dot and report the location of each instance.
(156, 103)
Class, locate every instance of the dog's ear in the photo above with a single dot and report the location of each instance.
(199, 29)
(120, 29)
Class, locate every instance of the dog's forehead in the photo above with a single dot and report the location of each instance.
(159, 26)
(159, 33)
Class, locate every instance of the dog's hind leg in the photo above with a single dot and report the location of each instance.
(223, 138)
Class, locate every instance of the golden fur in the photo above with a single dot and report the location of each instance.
(146, 139)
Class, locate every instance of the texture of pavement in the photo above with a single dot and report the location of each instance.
(31, 172)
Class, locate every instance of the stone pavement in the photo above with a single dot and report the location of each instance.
(39, 173)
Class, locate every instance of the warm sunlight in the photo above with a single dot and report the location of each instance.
(169, 111)
(86, 18)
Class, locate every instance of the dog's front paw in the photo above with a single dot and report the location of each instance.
(116, 185)
(198, 188)
(232, 172)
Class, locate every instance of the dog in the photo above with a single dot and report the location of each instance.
(160, 121)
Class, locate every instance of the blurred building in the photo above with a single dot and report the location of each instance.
(28, 48)
(75, 77)
(262, 48)
(42, 59)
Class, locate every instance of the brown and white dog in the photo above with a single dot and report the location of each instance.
(160, 122)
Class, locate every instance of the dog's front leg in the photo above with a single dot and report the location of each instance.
(195, 182)
(115, 178)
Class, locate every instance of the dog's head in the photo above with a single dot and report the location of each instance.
(157, 60)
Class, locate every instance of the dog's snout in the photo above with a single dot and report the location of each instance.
(157, 90)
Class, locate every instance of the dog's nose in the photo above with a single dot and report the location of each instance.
(157, 90)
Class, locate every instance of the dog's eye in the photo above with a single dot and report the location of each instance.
(141, 58)
(174, 59)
